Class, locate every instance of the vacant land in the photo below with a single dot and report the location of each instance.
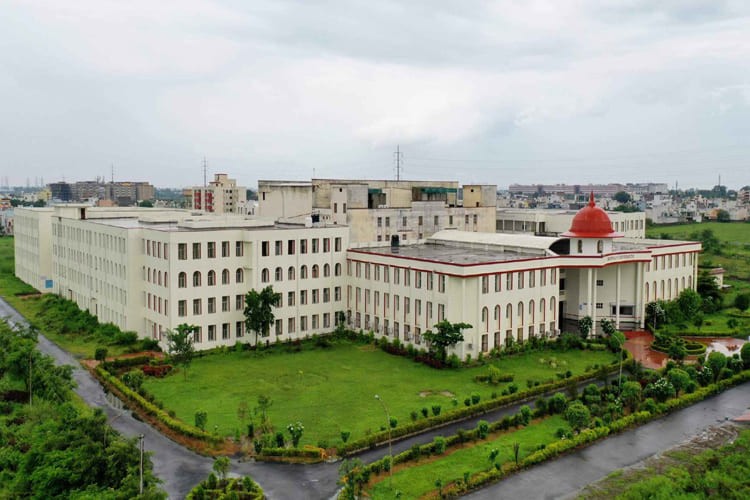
(333, 390)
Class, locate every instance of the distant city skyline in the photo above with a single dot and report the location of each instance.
(480, 92)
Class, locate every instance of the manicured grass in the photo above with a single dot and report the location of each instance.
(736, 232)
(416, 480)
(333, 390)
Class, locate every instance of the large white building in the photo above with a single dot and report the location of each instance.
(553, 222)
(149, 271)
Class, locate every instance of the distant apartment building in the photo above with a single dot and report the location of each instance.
(221, 196)
(382, 210)
(598, 189)
(124, 193)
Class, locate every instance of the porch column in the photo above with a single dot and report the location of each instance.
(593, 306)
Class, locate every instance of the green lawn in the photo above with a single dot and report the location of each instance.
(415, 481)
(737, 232)
(330, 390)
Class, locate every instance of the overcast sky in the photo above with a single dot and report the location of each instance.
(476, 91)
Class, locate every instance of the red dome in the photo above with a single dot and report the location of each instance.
(591, 222)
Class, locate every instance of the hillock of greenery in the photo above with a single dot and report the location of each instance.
(50, 445)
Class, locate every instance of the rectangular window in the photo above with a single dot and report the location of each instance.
(315, 245)
(182, 308)
(211, 333)
(290, 298)
(430, 280)
(196, 250)
(303, 323)
(396, 276)
(182, 251)
(417, 279)
(429, 311)
(265, 248)
(315, 296)
(437, 219)
(441, 283)
(291, 328)
(520, 280)
(303, 297)
(225, 331)
(239, 302)
(197, 307)
(387, 222)
(326, 320)
(509, 281)
(326, 295)
(337, 294)
(225, 303)
(380, 222)
(420, 221)
(337, 242)
(543, 277)
(315, 321)
(239, 328)
(278, 247)
(225, 249)
(239, 249)
(599, 282)
(532, 279)
(326, 245)
(498, 282)
(441, 312)
(290, 244)
(211, 249)
(302, 246)
(279, 327)
(599, 305)
(211, 305)
(485, 284)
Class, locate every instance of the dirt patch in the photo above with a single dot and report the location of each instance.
(447, 394)
(677, 456)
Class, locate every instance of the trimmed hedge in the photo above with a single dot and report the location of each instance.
(311, 453)
(465, 412)
(590, 435)
(151, 409)
(240, 488)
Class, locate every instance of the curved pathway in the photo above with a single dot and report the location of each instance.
(180, 469)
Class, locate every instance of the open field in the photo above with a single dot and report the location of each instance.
(333, 390)
(418, 479)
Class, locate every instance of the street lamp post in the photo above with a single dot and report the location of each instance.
(141, 468)
(390, 449)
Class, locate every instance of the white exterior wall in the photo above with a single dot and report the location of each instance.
(33, 257)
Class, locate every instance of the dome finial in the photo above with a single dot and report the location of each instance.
(591, 199)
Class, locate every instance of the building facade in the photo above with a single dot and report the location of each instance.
(221, 196)
(553, 222)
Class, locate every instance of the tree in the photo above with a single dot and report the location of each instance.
(631, 394)
(259, 310)
(689, 303)
(745, 354)
(201, 419)
(352, 476)
(100, 354)
(661, 390)
(655, 313)
(679, 379)
(723, 216)
(608, 326)
(577, 415)
(180, 346)
(677, 350)
(622, 197)
(742, 301)
(619, 338)
(221, 467)
(584, 326)
(447, 335)
(716, 361)
(146, 204)
(264, 403)
(709, 290)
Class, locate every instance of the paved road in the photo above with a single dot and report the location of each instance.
(180, 469)
(564, 477)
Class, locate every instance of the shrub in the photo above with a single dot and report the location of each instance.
(512, 388)
(439, 445)
(393, 422)
(525, 415)
(483, 429)
(467, 402)
(201, 419)
(436, 410)
(577, 415)
(414, 416)
(557, 403)
(475, 397)
(100, 354)
(425, 412)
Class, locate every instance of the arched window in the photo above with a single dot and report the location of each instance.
(278, 274)
(655, 291)
(182, 280)
(265, 275)
(580, 246)
(498, 315)
(683, 283)
(532, 312)
(676, 287)
(159, 278)
(197, 278)
(166, 278)
(509, 315)
(337, 270)
(225, 277)
(290, 273)
(543, 309)
(599, 246)
(486, 319)
(647, 293)
(520, 313)
(552, 309)
(239, 276)
(303, 272)
(211, 278)
(315, 271)
(148, 274)
(326, 270)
